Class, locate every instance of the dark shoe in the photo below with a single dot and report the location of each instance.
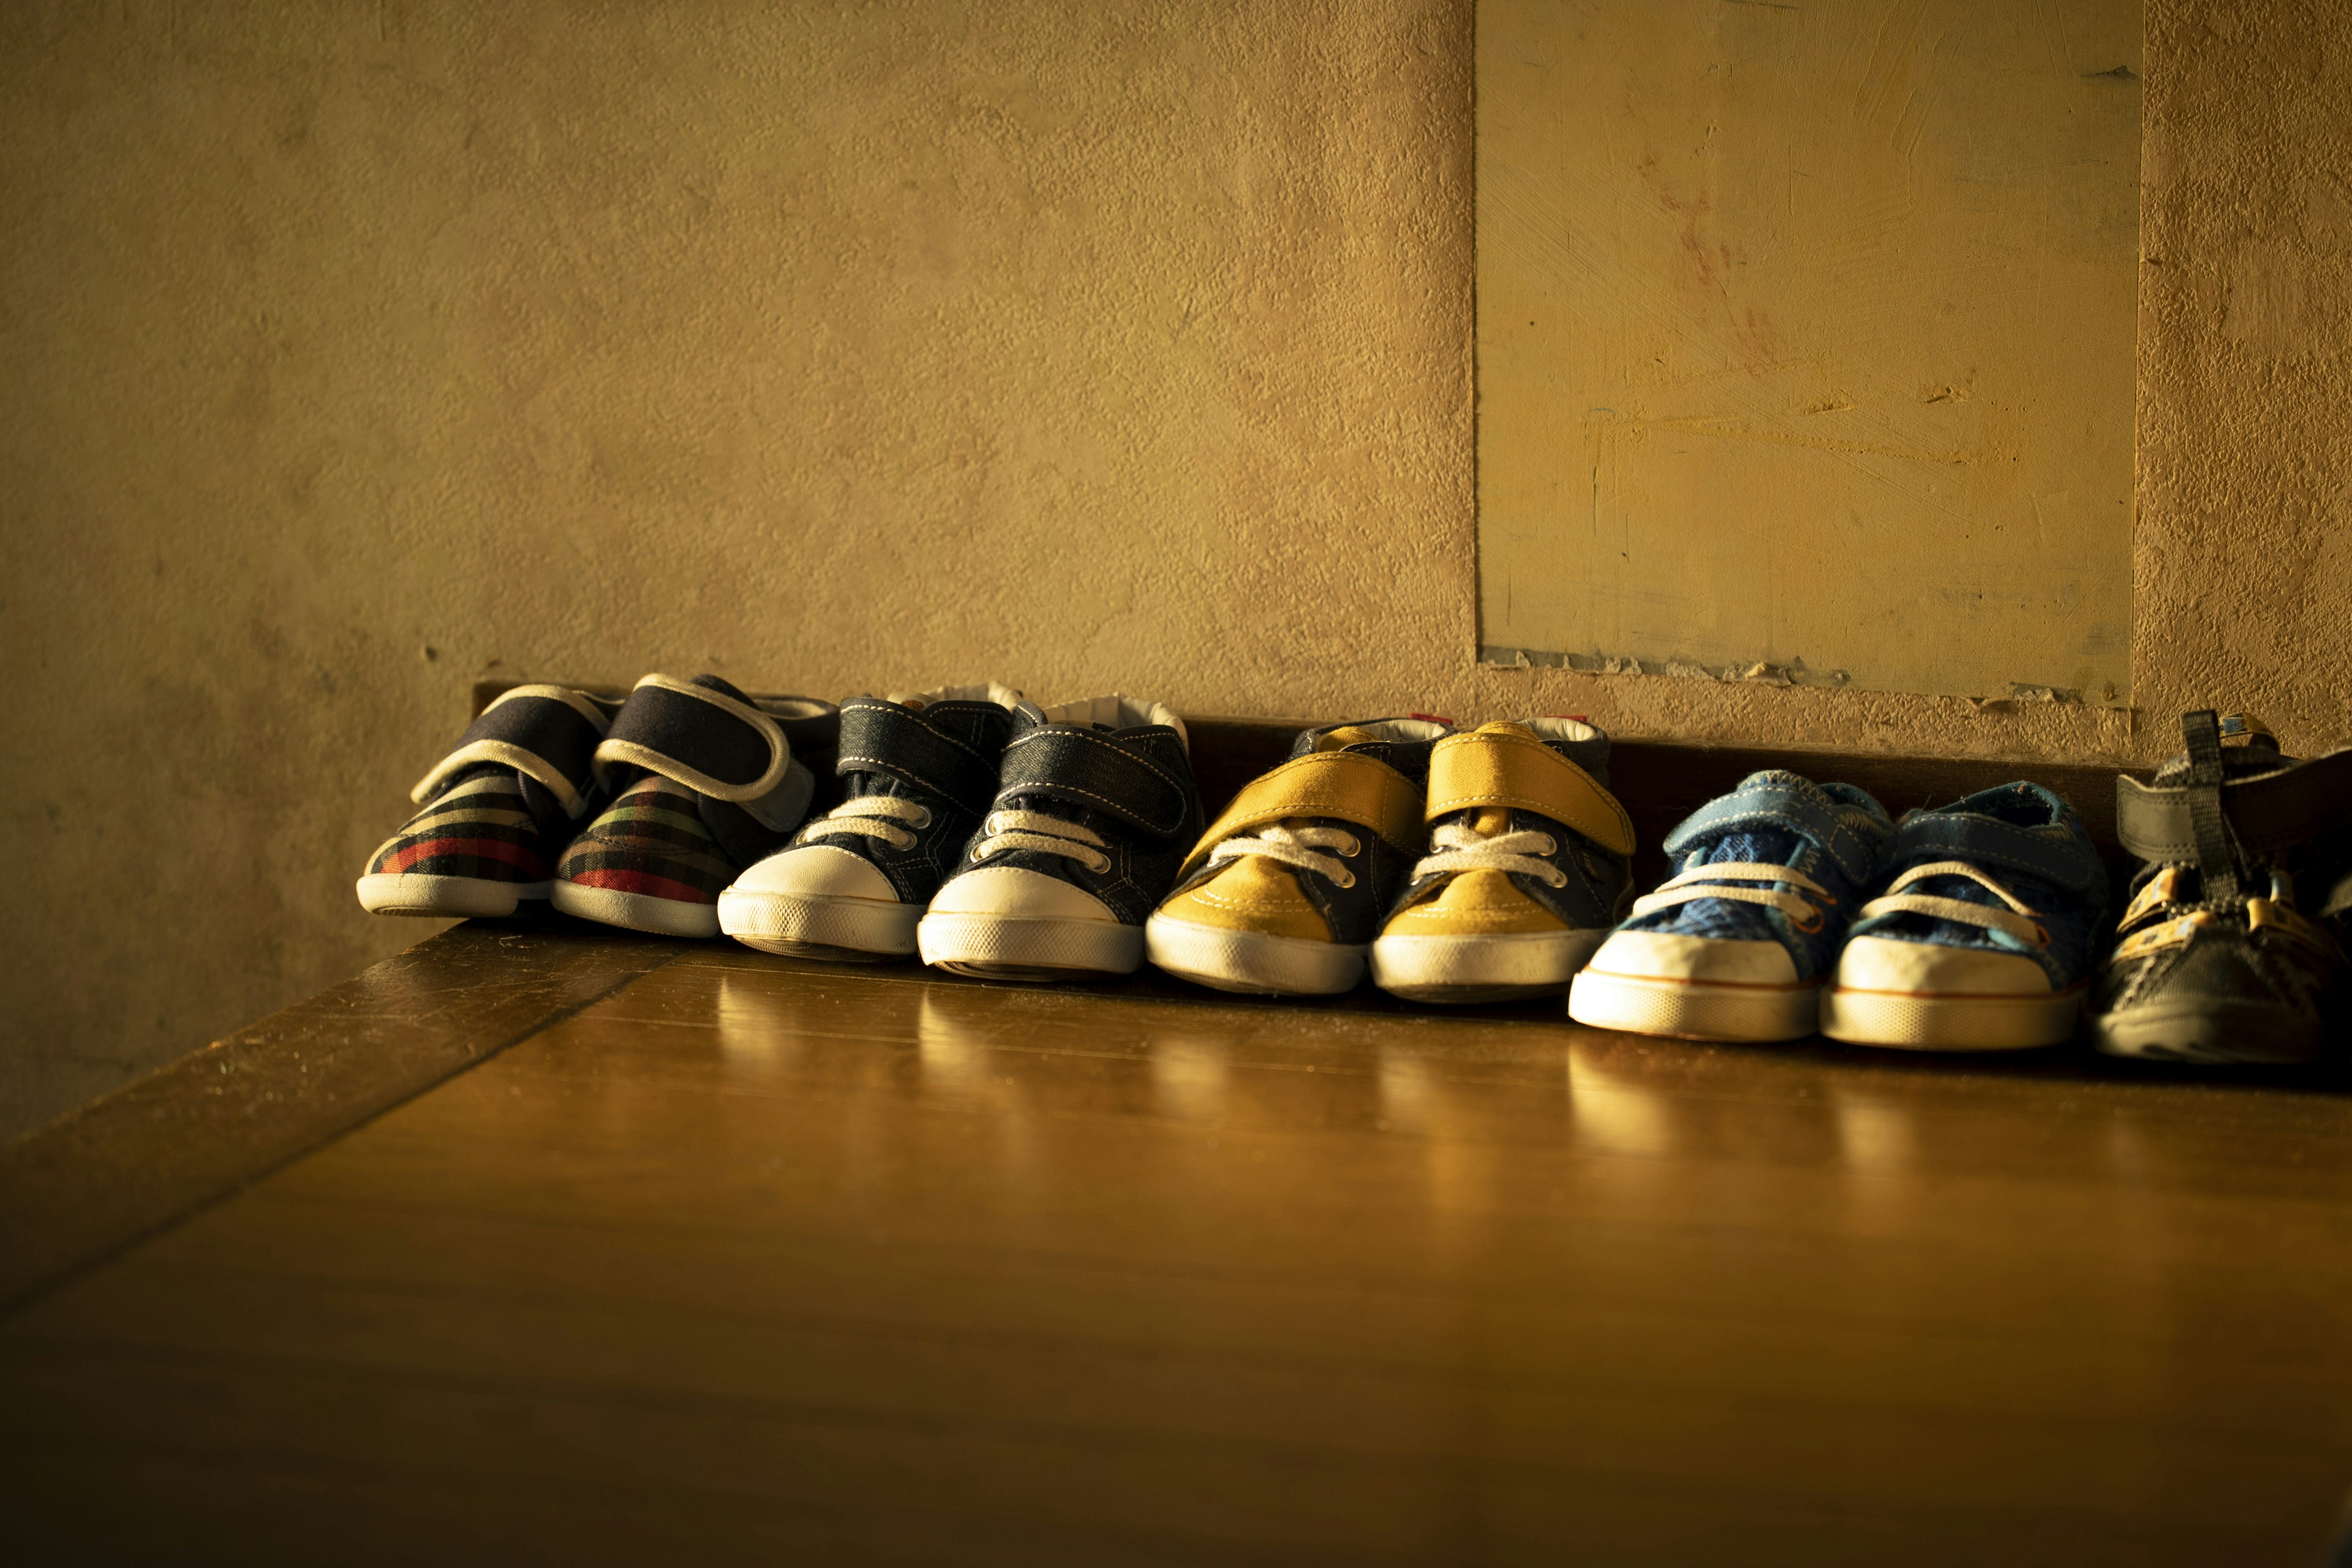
(1095, 809)
(1284, 893)
(2215, 963)
(1985, 932)
(1529, 864)
(704, 781)
(920, 772)
(499, 809)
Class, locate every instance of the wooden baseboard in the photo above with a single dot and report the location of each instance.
(1661, 782)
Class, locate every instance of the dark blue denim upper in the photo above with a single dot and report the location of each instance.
(943, 755)
(1132, 786)
(2033, 844)
(1834, 833)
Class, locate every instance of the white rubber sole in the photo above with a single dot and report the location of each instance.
(1924, 1021)
(636, 912)
(819, 925)
(1695, 1009)
(1006, 947)
(1481, 968)
(445, 898)
(1254, 962)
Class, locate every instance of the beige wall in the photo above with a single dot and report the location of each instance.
(1081, 346)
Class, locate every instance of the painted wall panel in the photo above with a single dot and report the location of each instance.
(1805, 339)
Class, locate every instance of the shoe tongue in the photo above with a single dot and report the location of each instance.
(1345, 736)
(724, 688)
(1757, 846)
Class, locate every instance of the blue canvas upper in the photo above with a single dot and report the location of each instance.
(2033, 844)
(1833, 833)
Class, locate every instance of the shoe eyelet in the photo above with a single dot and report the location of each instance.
(2041, 936)
(1807, 926)
(1346, 879)
(922, 821)
(1550, 846)
(1100, 864)
(1560, 879)
(1353, 847)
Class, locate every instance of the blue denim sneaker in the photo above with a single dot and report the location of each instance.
(1737, 944)
(1985, 935)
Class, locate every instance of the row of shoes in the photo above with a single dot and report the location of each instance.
(995, 836)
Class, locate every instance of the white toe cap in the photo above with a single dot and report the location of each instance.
(820, 870)
(1662, 955)
(1882, 964)
(1018, 894)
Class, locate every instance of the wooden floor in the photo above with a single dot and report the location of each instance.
(757, 1262)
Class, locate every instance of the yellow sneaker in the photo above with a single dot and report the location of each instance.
(1530, 864)
(1283, 894)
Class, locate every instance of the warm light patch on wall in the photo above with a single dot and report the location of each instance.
(1806, 340)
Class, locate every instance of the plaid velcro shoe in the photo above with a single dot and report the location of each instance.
(704, 781)
(498, 809)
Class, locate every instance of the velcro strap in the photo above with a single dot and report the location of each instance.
(1487, 768)
(1987, 841)
(546, 732)
(705, 740)
(1347, 786)
(1061, 762)
(1785, 801)
(884, 737)
(2267, 814)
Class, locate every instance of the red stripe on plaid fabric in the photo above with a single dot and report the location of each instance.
(514, 855)
(625, 881)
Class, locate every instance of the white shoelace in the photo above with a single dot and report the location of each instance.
(1461, 847)
(1044, 834)
(1699, 882)
(2017, 920)
(873, 816)
(1295, 847)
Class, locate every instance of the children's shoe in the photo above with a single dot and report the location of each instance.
(1094, 810)
(497, 810)
(1986, 935)
(1283, 894)
(704, 781)
(1738, 943)
(920, 773)
(1530, 862)
(2217, 963)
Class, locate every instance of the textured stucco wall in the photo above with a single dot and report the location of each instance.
(1076, 345)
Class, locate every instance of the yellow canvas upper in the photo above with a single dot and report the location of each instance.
(1490, 772)
(1255, 894)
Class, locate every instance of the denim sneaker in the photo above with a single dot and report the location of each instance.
(1738, 943)
(1985, 934)
(499, 809)
(1283, 895)
(1529, 864)
(704, 781)
(2217, 961)
(1094, 811)
(920, 772)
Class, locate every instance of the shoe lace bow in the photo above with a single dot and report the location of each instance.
(872, 817)
(1459, 847)
(1803, 908)
(1297, 847)
(1041, 833)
